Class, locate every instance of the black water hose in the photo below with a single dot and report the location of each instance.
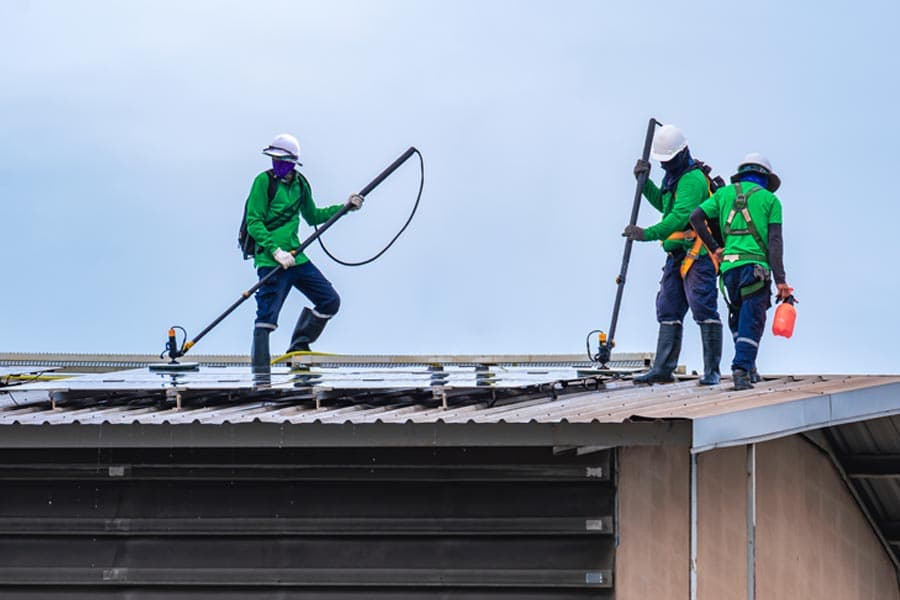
(399, 233)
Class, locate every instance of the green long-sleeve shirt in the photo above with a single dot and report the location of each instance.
(260, 212)
(692, 189)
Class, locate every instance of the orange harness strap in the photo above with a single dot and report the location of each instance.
(694, 252)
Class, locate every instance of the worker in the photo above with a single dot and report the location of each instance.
(273, 225)
(688, 281)
(749, 216)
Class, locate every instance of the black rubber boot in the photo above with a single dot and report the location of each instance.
(668, 347)
(260, 358)
(307, 330)
(711, 336)
(741, 379)
(755, 377)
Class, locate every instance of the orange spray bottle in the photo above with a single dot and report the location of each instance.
(785, 317)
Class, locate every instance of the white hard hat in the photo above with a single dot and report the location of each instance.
(284, 147)
(668, 141)
(757, 163)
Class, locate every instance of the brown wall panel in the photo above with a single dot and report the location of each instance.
(652, 560)
(812, 539)
(721, 525)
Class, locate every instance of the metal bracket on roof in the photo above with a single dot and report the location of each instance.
(53, 396)
(493, 399)
(318, 395)
(438, 380)
(439, 393)
(174, 394)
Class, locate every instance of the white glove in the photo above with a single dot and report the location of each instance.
(285, 259)
(355, 201)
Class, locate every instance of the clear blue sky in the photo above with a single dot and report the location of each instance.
(131, 133)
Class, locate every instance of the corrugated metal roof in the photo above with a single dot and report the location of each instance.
(447, 390)
(360, 401)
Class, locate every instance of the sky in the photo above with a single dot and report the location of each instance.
(130, 134)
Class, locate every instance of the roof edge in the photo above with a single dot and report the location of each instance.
(774, 421)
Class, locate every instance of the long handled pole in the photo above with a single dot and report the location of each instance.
(175, 353)
(605, 348)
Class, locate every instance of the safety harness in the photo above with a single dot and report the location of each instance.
(740, 207)
(692, 254)
(712, 184)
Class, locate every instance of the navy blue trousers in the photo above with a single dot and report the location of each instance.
(747, 316)
(306, 278)
(696, 291)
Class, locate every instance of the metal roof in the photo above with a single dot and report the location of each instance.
(470, 391)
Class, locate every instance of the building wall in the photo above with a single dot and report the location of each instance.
(652, 559)
(722, 524)
(812, 539)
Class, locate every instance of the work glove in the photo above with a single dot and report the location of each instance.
(634, 233)
(285, 259)
(355, 201)
(641, 166)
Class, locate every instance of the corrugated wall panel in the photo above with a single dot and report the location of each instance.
(381, 523)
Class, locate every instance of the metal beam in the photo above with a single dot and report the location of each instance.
(306, 472)
(289, 577)
(751, 521)
(322, 435)
(320, 526)
(872, 466)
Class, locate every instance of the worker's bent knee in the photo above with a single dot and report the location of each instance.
(328, 307)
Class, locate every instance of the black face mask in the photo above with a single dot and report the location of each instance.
(675, 168)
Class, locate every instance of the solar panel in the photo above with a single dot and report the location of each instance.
(241, 378)
(336, 385)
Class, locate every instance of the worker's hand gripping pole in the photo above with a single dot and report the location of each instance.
(604, 350)
(322, 228)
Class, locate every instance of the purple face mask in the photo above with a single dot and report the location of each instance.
(282, 167)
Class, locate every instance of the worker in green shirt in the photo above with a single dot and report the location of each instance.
(749, 215)
(273, 223)
(689, 275)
